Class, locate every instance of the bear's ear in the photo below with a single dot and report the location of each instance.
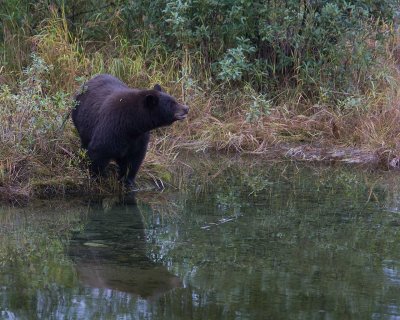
(157, 87)
(151, 101)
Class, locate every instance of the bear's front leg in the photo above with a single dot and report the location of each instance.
(133, 170)
(135, 157)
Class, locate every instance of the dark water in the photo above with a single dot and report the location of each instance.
(253, 242)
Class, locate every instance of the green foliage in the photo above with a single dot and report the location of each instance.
(259, 105)
(275, 45)
(297, 43)
(39, 115)
(234, 63)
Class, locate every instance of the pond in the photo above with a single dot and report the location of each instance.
(236, 240)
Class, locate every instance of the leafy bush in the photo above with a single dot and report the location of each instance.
(31, 114)
(308, 44)
(274, 45)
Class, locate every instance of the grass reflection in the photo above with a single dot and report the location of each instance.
(237, 240)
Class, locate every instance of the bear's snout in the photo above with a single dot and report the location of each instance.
(181, 112)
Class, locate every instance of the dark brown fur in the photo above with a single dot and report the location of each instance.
(114, 122)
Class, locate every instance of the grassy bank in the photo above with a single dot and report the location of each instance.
(40, 72)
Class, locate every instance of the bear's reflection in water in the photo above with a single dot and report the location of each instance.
(110, 253)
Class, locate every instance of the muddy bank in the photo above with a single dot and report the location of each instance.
(323, 154)
(14, 195)
(379, 159)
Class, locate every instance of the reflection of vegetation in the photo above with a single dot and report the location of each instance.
(261, 240)
(32, 255)
(309, 235)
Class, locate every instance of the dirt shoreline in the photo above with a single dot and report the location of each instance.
(327, 154)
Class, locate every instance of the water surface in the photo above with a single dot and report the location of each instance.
(236, 241)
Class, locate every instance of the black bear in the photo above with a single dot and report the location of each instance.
(114, 122)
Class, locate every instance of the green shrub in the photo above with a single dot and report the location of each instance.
(30, 114)
(305, 46)
(274, 44)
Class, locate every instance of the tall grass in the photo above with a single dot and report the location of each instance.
(39, 147)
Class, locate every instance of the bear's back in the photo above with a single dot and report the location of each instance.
(89, 101)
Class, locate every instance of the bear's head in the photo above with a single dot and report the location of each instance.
(163, 108)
